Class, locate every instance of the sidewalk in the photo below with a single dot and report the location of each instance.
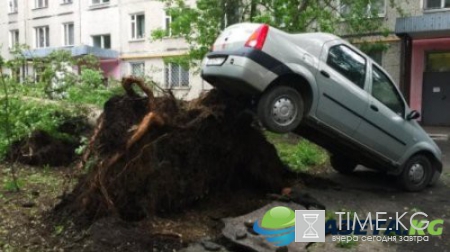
(438, 133)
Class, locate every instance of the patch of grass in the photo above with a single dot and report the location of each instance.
(43, 178)
(330, 215)
(298, 154)
(11, 185)
(58, 229)
(415, 210)
(347, 245)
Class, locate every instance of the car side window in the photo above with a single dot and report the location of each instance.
(384, 91)
(348, 63)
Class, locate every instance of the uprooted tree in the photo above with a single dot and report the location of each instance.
(158, 154)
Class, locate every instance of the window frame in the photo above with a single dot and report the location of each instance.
(66, 2)
(167, 25)
(440, 8)
(137, 63)
(46, 32)
(366, 63)
(134, 27)
(66, 37)
(167, 76)
(44, 4)
(380, 14)
(13, 6)
(102, 40)
(100, 2)
(14, 38)
(393, 86)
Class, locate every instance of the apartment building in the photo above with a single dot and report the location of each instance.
(115, 31)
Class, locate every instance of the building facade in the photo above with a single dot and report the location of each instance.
(116, 31)
(425, 54)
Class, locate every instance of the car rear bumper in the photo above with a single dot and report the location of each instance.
(239, 74)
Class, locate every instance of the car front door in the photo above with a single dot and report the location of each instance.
(342, 76)
(384, 128)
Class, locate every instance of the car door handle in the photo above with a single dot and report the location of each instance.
(374, 108)
(327, 75)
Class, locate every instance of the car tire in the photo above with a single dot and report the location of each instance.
(280, 109)
(342, 164)
(417, 173)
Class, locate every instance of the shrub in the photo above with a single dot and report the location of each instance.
(28, 115)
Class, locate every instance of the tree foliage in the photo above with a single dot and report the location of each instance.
(201, 24)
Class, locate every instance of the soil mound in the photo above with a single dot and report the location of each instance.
(152, 155)
(41, 148)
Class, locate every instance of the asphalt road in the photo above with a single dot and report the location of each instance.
(369, 191)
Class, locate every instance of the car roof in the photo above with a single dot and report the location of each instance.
(318, 36)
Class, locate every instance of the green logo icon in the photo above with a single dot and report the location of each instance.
(278, 225)
(278, 218)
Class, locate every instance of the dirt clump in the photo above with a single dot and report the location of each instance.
(41, 148)
(150, 155)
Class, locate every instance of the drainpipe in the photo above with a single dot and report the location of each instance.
(79, 22)
(405, 66)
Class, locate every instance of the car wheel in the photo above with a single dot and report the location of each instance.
(342, 164)
(280, 109)
(416, 173)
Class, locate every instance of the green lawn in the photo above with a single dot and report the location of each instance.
(298, 153)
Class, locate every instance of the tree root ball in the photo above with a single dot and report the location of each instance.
(158, 155)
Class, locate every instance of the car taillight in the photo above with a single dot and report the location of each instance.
(258, 37)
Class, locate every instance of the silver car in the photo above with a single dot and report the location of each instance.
(323, 88)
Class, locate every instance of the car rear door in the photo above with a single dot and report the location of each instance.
(384, 128)
(342, 78)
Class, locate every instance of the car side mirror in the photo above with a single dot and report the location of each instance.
(413, 115)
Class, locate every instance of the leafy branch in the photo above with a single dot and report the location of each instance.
(6, 120)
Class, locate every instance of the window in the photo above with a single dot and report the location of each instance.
(138, 69)
(13, 38)
(42, 36)
(176, 76)
(40, 4)
(102, 41)
(438, 62)
(384, 91)
(170, 16)
(66, 1)
(137, 26)
(12, 6)
(348, 63)
(99, 1)
(436, 4)
(374, 8)
(167, 22)
(69, 34)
